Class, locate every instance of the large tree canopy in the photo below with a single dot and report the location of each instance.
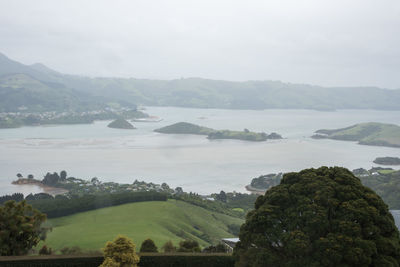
(319, 217)
(20, 228)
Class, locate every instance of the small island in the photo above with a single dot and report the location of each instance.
(184, 128)
(371, 133)
(190, 128)
(387, 161)
(120, 124)
(243, 135)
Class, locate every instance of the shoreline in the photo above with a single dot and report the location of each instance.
(255, 191)
(51, 190)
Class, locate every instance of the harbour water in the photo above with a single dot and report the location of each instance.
(192, 162)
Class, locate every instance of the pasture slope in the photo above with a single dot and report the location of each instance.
(159, 220)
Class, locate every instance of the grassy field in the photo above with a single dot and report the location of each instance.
(161, 221)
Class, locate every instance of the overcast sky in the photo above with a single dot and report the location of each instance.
(337, 42)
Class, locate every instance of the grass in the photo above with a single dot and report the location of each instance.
(161, 221)
(386, 171)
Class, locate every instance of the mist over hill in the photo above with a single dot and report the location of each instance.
(37, 87)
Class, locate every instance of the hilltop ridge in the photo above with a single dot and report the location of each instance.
(200, 92)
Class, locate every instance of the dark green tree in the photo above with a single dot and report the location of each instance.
(189, 246)
(319, 217)
(20, 228)
(63, 175)
(148, 246)
(30, 176)
(51, 179)
(19, 175)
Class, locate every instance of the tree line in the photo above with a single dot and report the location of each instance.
(62, 206)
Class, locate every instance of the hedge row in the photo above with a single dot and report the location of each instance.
(161, 260)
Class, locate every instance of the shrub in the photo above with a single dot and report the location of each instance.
(169, 247)
(120, 252)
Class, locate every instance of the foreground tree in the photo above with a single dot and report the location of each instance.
(120, 252)
(20, 228)
(319, 217)
(148, 246)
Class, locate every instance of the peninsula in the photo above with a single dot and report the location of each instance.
(52, 190)
(387, 161)
(262, 183)
(189, 128)
(371, 133)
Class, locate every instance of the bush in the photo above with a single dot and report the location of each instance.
(220, 248)
(71, 250)
(189, 246)
(45, 251)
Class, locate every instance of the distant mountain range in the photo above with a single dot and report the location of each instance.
(39, 88)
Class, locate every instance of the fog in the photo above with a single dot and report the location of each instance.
(330, 43)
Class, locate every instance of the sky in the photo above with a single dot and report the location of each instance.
(320, 42)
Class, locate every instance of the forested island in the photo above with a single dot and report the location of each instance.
(185, 128)
(387, 161)
(120, 124)
(190, 128)
(371, 133)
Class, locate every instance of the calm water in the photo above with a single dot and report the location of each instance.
(192, 162)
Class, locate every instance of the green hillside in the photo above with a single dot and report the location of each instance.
(371, 133)
(161, 221)
(21, 90)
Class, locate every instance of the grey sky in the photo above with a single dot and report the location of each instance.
(337, 42)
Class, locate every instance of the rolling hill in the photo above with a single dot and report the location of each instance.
(161, 221)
